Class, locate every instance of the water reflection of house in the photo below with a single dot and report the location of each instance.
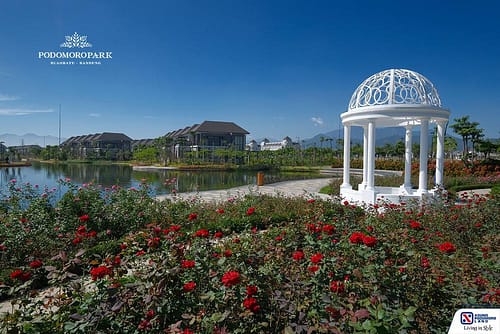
(106, 145)
(209, 135)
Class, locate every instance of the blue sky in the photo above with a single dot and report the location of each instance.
(276, 68)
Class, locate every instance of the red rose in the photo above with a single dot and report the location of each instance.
(20, 275)
(153, 242)
(316, 258)
(228, 253)
(415, 225)
(35, 264)
(356, 237)
(369, 240)
(221, 211)
(145, 325)
(189, 286)
(16, 274)
(201, 233)
(298, 255)
(251, 304)
(150, 314)
(218, 234)
(99, 272)
(313, 269)
(76, 241)
(231, 278)
(425, 262)
(250, 211)
(140, 253)
(337, 286)
(187, 263)
(25, 276)
(252, 290)
(84, 218)
(192, 216)
(328, 229)
(175, 228)
(447, 247)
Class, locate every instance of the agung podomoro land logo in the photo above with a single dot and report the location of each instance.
(74, 56)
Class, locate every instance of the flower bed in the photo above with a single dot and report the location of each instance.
(123, 262)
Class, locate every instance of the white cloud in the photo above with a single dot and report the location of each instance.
(20, 111)
(94, 114)
(317, 121)
(4, 97)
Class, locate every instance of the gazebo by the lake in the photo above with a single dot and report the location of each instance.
(394, 98)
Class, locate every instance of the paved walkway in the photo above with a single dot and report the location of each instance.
(296, 188)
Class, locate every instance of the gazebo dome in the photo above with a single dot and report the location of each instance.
(395, 87)
(401, 98)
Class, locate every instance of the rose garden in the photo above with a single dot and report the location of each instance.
(118, 260)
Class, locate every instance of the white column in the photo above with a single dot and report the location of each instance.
(424, 153)
(440, 154)
(371, 156)
(365, 158)
(408, 156)
(347, 157)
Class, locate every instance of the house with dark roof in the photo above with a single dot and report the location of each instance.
(106, 145)
(141, 143)
(209, 135)
(25, 151)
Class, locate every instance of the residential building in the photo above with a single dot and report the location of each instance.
(25, 151)
(209, 135)
(106, 145)
(267, 145)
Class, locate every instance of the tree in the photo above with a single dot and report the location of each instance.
(475, 137)
(399, 149)
(147, 154)
(465, 128)
(486, 147)
(450, 145)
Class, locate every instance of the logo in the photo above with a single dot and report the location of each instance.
(74, 56)
(466, 318)
(76, 41)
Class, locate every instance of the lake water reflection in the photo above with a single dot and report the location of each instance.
(44, 174)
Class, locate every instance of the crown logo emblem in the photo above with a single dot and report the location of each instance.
(76, 41)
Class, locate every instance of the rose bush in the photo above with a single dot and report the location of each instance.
(291, 265)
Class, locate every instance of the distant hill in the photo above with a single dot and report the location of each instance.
(390, 135)
(29, 139)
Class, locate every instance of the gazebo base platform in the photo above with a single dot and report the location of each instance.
(384, 195)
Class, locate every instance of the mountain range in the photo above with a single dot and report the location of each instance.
(389, 135)
(10, 139)
(383, 136)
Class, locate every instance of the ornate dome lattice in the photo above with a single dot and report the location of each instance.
(395, 86)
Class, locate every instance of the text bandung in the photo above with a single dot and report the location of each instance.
(75, 55)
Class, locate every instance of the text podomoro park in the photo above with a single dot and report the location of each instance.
(75, 55)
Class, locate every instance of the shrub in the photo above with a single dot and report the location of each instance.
(261, 264)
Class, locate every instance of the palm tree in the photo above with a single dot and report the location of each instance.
(466, 129)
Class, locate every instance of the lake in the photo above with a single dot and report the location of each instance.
(107, 175)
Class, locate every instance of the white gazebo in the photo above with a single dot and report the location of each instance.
(395, 97)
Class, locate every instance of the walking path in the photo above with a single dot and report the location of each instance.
(295, 188)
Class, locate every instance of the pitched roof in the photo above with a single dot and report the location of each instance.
(220, 127)
(111, 136)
